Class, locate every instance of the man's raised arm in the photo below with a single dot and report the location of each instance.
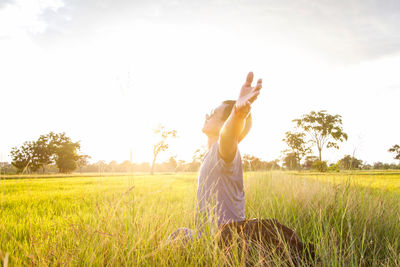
(235, 127)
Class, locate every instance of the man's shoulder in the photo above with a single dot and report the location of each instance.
(214, 160)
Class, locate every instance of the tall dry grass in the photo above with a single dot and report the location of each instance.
(126, 221)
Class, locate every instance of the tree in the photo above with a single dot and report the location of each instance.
(35, 155)
(43, 152)
(297, 145)
(348, 163)
(320, 166)
(396, 150)
(199, 154)
(308, 162)
(323, 129)
(251, 163)
(290, 161)
(378, 165)
(65, 152)
(67, 157)
(172, 164)
(162, 144)
(271, 165)
(83, 161)
(21, 157)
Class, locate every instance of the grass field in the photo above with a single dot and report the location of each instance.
(352, 218)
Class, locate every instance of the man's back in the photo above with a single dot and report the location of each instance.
(220, 189)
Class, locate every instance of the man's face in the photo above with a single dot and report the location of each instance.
(213, 123)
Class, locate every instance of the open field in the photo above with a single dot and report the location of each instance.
(381, 180)
(352, 218)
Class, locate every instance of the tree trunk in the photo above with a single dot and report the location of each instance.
(320, 157)
(153, 165)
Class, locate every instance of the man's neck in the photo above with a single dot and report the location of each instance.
(212, 140)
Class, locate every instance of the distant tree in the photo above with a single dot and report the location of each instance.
(112, 166)
(297, 145)
(320, 166)
(31, 156)
(396, 150)
(172, 164)
(199, 154)
(323, 129)
(83, 161)
(385, 166)
(35, 155)
(334, 167)
(67, 157)
(251, 163)
(394, 166)
(181, 165)
(126, 166)
(65, 152)
(143, 167)
(367, 167)
(246, 162)
(348, 163)
(271, 165)
(309, 160)
(7, 168)
(290, 161)
(22, 157)
(378, 165)
(162, 144)
(43, 152)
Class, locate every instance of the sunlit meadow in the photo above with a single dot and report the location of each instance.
(352, 218)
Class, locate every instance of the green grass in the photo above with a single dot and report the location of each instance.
(125, 220)
(388, 181)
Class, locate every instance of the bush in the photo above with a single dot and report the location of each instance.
(333, 168)
(320, 166)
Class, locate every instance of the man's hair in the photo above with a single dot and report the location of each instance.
(228, 109)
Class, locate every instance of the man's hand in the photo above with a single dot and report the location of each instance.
(248, 95)
(234, 129)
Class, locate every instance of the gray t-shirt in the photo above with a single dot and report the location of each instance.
(220, 191)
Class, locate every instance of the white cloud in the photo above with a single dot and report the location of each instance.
(24, 17)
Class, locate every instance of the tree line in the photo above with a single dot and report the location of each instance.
(322, 130)
(49, 149)
(54, 152)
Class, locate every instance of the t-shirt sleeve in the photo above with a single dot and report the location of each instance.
(229, 168)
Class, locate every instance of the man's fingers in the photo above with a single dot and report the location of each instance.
(254, 96)
(243, 106)
(259, 84)
(249, 79)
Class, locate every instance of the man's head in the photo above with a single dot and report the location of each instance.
(217, 117)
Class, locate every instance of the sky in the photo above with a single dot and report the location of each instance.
(108, 72)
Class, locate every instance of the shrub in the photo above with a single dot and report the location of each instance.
(333, 168)
(320, 166)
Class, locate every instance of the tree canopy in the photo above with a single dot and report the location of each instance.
(396, 150)
(297, 144)
(290, 161)
(48, 149)
(348, 163)
(324, 129)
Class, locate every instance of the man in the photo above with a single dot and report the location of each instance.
(220, 191)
